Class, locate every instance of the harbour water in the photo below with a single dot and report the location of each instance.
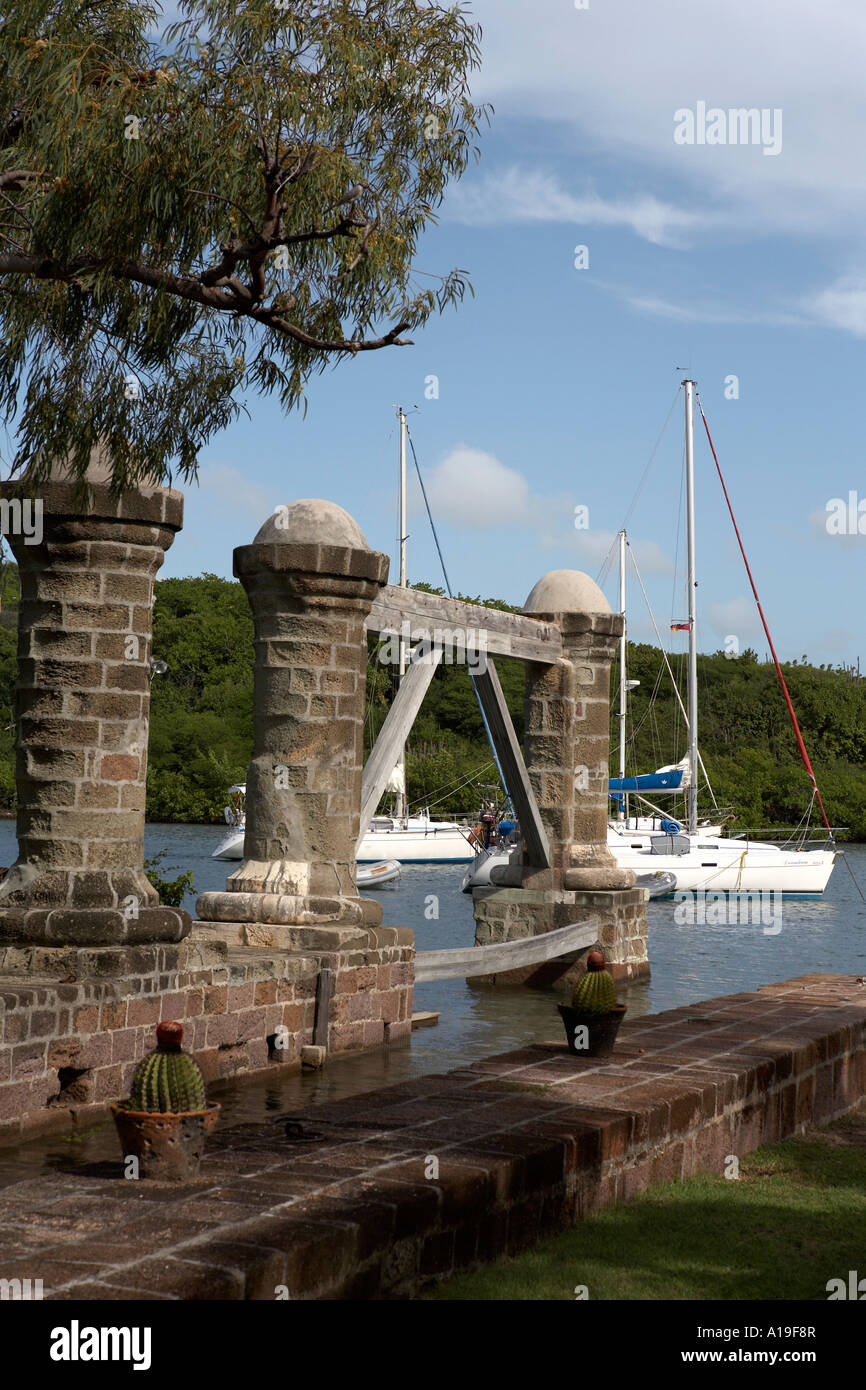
(690, 961)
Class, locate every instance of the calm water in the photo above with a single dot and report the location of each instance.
(689, 963)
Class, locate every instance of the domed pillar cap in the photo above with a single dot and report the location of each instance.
(566, 591)
(312, 536)
(311, 521)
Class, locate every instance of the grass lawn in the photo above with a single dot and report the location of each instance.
(795, 1218)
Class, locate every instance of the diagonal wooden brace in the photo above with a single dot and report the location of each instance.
(510, 757)
(394, 733)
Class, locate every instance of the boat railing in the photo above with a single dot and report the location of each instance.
(791, 837)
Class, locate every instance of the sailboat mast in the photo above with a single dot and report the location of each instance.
(622, 680)
(692, 584)
(401, 796)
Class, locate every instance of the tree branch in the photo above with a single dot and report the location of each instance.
(17, 178)
(234, 297)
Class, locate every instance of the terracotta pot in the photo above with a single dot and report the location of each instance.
(601, 1029)
(168, 1147)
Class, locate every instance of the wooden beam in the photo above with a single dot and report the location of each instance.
(324, 994)
(394, 732)
(513, 767)
(450, 623)
(468, 961)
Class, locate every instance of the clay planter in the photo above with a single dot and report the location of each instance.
(168, 1147)
(601, 1029)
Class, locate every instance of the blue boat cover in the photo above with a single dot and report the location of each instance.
(648, 782)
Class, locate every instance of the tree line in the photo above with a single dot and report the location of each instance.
(201, 719)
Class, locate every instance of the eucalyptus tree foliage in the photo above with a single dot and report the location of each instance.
(228, 208)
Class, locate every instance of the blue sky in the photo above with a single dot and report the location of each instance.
(554, 382)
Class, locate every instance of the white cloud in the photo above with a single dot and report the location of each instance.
(520, 195)
(841, 305)
(613, 75)
(474, 490)
(228, 485)
(734, 617)
(697, 312)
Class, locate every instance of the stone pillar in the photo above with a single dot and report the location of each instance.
(566, 749)
(82, 708)
(311, 579)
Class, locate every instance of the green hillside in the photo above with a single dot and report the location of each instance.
(201, 719)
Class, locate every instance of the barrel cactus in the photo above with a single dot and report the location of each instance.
(595, 992)
(168, 1080)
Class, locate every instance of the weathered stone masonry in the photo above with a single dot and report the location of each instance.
(89, 961)
(567, 741)
(82, 707)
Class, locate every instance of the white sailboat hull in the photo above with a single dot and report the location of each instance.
(710, 866)
(732, 866)
(421, 841)
(231, 846)
(434, 842)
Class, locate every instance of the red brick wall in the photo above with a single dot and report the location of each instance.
(242, 1010)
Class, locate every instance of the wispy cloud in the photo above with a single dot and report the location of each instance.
(841, 305)
(474, 490)
(223, 484)
(709, 312)
(520, 195)
(735, 617)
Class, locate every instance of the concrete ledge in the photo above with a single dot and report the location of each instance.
(390, 1190)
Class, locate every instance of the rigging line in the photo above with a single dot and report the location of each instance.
(429, 513)
(668, 665)
(448, 788)
(454, 790)
(451, 595)
(803, 753)
(640, 487)
(853, 879)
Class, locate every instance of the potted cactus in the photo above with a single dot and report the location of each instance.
(593, 1018)
(166, 1120)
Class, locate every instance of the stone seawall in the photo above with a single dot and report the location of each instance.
(379, 1194)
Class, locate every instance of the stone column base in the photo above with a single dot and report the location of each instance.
(93, 926)
(281, 910)
(267, 936)
(513, 914)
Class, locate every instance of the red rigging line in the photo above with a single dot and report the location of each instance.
(803, 754)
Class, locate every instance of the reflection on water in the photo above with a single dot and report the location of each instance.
(689, 963)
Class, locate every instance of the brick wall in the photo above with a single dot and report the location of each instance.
(524, 1143)
(74, 1023)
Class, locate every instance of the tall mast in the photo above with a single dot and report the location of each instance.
(401, 765)
(692, 585)
(622, 680)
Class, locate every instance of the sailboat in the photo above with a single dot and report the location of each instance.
(700, 860)
(666, 856)
(665, 781)
(231, 846)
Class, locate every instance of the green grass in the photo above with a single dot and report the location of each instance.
(795, 1218)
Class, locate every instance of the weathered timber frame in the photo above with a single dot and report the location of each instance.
(437, 624)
